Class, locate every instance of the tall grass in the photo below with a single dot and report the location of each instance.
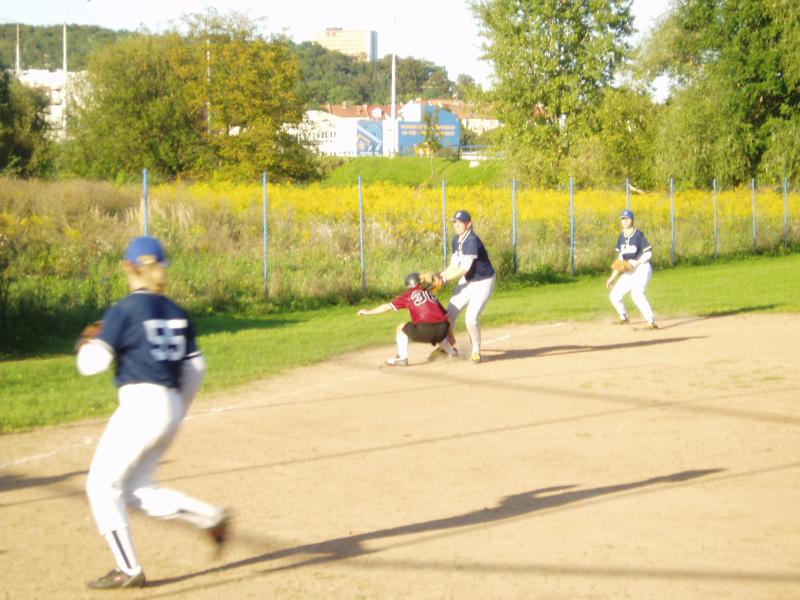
(60, 243)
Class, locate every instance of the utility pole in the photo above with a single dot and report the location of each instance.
(66, 88)
(208, 85)
(17, 68)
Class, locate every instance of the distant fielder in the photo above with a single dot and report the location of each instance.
(429, 322)
(159, 369)
(633, 268)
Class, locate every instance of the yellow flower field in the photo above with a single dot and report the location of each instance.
(214, 232)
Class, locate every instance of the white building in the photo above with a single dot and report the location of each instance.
(360, 43)
(59, 90)
(332, 135)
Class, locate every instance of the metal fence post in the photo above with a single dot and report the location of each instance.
(444, 224)
(572, 224)
(755, 220)
(146, 203)
(514, 222)
(264, 181)
(672, 219)
(785, 209)
(716, 229)
(361, 232)
(628, 193)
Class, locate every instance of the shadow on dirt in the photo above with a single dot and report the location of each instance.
(509, 507)
(491, 355)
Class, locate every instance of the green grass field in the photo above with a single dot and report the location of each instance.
(48, 390)
(416, 171)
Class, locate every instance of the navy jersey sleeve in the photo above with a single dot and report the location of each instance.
(192, 349)
(114, 325)
(644, 245)
(470, 246)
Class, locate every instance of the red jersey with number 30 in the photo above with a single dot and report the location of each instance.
(423, 306)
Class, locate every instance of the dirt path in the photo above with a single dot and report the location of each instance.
(580, 460)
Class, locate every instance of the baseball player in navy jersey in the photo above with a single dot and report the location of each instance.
(428, 323)
(159, 369)
(632, 247)
(471, 267)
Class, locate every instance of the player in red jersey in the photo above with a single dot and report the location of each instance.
(428, 323)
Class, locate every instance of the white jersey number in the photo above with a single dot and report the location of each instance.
(166, 338)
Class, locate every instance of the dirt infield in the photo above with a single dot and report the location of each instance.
(580, 460)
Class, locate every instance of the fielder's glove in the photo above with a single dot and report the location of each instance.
(90, 332)
(431, 281)
(622, 266)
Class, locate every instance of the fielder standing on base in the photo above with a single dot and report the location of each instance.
(159, 369)
(633, 248)
(471, 267)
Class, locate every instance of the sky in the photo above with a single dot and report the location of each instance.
(441, 31)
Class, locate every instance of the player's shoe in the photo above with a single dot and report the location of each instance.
(219, 531)
(652, 325)
(116, 579)
(475, 357)
(437, 354)
(623, 320)
(397, 362)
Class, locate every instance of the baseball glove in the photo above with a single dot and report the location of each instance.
(622, 266)
(431, 281)
(90, 332)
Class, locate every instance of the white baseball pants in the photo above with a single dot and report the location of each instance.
(121, 474)
(634, 282)
(473, 295)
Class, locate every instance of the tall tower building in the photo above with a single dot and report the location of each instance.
(361, 43)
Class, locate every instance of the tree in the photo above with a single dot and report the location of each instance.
(465, 87)
(552, 60)
(41, 46)
(251, 87)
(621, 145)
(137, 111)
(214, 101)
(24, 141)
(333, 77)
(738, 87)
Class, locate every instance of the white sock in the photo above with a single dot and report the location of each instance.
(402, 345)
(124, 553)
(445, 345)
(475, 336)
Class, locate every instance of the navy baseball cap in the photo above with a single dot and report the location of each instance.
(462, 216)
(627, 214)
(145, 250)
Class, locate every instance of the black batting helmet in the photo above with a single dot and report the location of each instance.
(412, 280)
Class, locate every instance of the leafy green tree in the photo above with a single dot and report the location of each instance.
(215, 101)
(24, 132)
(465, 87)
(137, 111)
(734, 63)
(335, 78)
(41, 46)
(251, 91)
(421, 78)
(552, 61)
(430, 131)
(621, 145)
(330, 77)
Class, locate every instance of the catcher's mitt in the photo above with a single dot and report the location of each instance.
(622, 266)
(431, 281)
(90, 332)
